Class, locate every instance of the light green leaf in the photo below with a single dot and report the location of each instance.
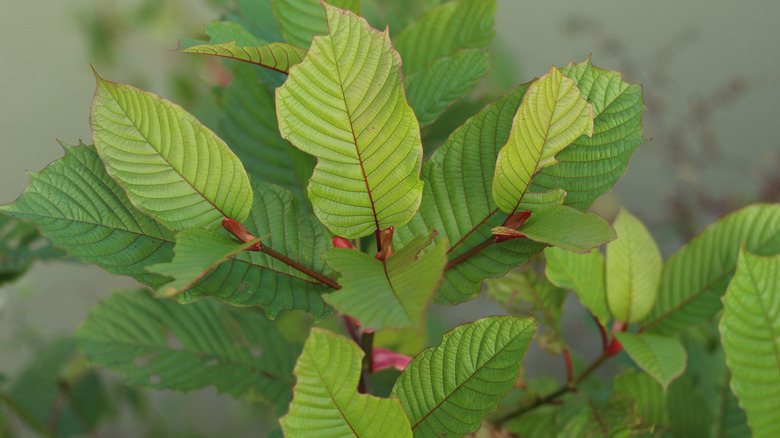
(248, 125)
(325, 401)
(633, 269)
(256, 279)
(749, 330)
(584, 274)
(20, 246)
(449, 389)
(662, 357)
(568, 228)
(590, 166)
(77, 205)
(171, 166)
(695, 277)
(159, 344)
(553, 114)
(197, 252)
(442, 31)
(276, 56)
(523, 292)
(457, 202)
(400, 288)
(302, 19)
(433, 89)
(365, 137)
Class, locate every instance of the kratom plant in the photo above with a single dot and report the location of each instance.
(338, 214)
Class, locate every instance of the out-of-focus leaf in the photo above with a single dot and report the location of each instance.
(662, 357)
(582, 273)
(20, 246)
(300, 20)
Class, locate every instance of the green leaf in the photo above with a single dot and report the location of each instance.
(582, 416)
(256, 279)
(77, 205)
(325, 401)
(197, 252)
(159, 344)
(661, 357)
(689, 414)
(553, 114)
(590, 166)
(449, 389)
(302, 19)
(276, 56)
(584, 274)
(432, 90)
(524, 292)
(444, 30)
(749, 328)
(645, 392)
(633, 269)
(400, 287)
(249, 126)
(20, 246)
(696, 276)
(221, 32)
(171, 166)
(365, 137)
(568, 228)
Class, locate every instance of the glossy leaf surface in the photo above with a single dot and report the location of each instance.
(365, 137)
(568, 228)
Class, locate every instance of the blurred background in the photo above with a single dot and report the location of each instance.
(708, 71)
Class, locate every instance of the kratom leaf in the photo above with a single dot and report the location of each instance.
(302, 19)
(523, 292)
(276, 56)
(256, 279)
(159, 344)
(433, 89)
(20, 246)
(197, 252)
(661, 357)
(221, 32)
(454, 26)
(77, 205)
(553, 114)
(696, 276)
(257, 17)
(584, 274)
(325, 401)
(633, 269)
(645, 392)
(249, 126)
(749, 329)
(568, 228)
(689, 414)
(171, 166)
(582, 416)
(590, 166)
(400, 288)
(365, 137)
(457, 202)
(449, 389)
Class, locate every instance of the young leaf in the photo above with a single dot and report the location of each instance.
(345, 104)
(325, 401)
(197, 252)
(552, 115)
(696, 276)
(256, 279)
(600, 160)
(157, 343)
(248, 125)
(436, 87)
(302, 19)
(633, 269)
(749, 328)
(584, 274)
(171, 166)
(442, 31)
(661, 357)
(77, 205)
(524, 292)
(457, 202)
(449, 389)
(400, 288)
(568, 228)
(276, 56)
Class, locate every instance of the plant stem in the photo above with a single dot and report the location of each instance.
(305, 269)
(367, 344)
(452, 263)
